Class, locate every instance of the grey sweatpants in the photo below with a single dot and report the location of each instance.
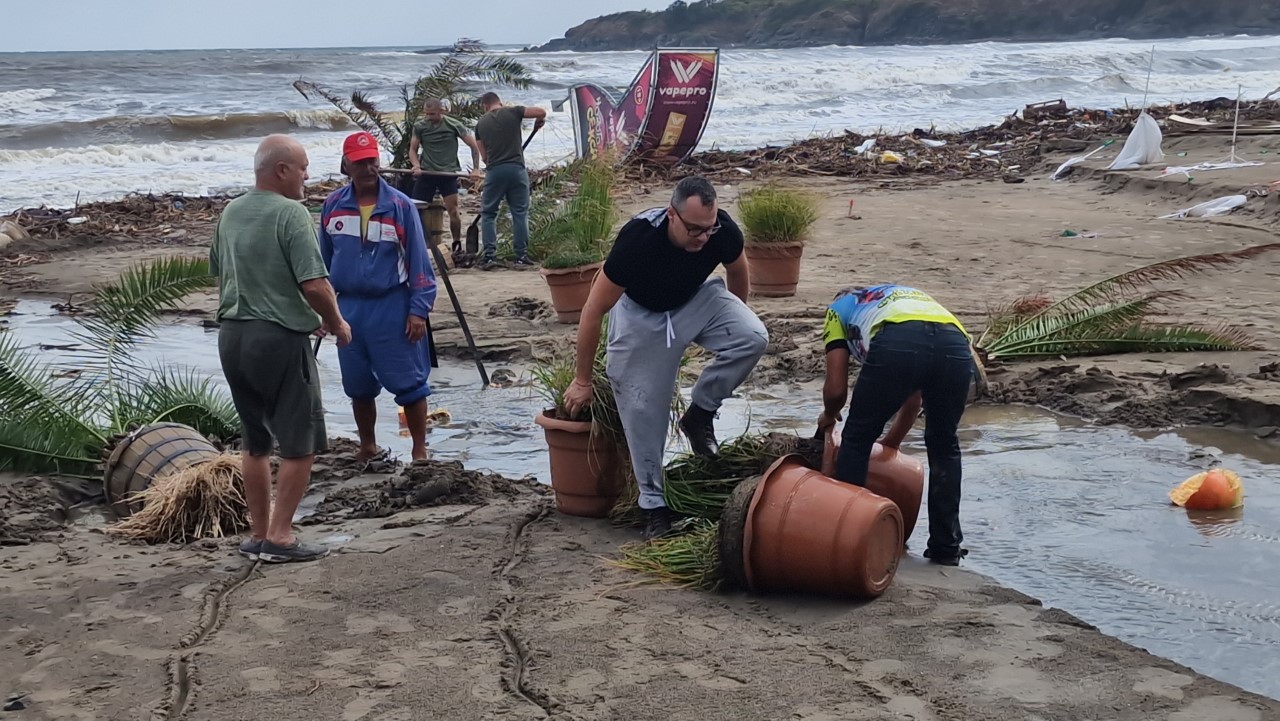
(644, 354)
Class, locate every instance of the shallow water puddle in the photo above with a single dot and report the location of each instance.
(1073, 514)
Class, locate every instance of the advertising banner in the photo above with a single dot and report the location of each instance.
(661, 118)
(634, 108)
(593, 112)
(684, 90)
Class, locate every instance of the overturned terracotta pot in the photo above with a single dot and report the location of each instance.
(795, 530)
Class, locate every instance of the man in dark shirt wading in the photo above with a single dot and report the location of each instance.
(502, 150)
(660, 296)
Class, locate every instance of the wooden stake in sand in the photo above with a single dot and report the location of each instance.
(1235, 129)
(1150, 67)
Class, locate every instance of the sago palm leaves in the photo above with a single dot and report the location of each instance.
(57, 425)
(1113, 315)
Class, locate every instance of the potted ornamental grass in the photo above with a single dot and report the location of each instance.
(776, 221)
(572, 245)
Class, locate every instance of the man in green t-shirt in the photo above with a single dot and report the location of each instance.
(273, 290)
(433, 153)
(502, 150)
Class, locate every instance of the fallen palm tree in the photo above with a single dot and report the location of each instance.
(1114, 315)
(54, 424)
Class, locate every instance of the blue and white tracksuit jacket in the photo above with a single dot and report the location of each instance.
(380, 279)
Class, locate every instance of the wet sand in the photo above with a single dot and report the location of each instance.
(507, 610)
(504, 609)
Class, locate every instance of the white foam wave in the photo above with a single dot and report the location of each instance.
(25, 101)
(765, 97)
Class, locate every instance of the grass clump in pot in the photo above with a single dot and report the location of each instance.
(580, 233)
(776, 215)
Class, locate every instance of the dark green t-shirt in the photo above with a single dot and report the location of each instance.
(263, 249)
(439, 143)
(499, 130)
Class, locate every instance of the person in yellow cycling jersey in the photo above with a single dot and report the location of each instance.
(913, 353)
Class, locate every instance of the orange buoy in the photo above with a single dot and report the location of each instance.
(1213, 490)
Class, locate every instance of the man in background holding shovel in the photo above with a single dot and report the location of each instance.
(433, 154)
(372, 242)
(502, 150)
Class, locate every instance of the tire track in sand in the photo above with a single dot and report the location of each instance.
(516, 656)
(182, 667)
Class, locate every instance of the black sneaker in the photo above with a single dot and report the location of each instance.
(489, 264)
(698, 426)
(525, 261)
(950, 559)
(292, 553)
(249, 548)
(657, 522)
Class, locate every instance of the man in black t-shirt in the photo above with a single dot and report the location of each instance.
(657, 288)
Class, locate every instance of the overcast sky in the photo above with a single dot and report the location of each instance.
(166, 24)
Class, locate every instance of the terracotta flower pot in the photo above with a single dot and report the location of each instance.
(892, 474)
(799, 531)
(584, 469)
(774, 269)
(569, 289)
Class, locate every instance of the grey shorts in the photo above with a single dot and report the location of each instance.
(275, 386)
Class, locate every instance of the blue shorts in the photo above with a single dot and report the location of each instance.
(380, 354)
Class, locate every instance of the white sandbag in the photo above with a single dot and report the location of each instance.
(4, 241)
(1211, 208)
(1142, 147)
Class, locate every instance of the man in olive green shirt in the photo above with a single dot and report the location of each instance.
(433, 153)
(273, 290)
(502, 150)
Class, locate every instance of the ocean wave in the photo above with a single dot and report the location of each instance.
(168, 128)
(25, 101)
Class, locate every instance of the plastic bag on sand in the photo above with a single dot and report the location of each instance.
(1142, 146)
(1211, 208)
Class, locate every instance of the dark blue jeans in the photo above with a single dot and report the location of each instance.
(508, 181)
(933, 358)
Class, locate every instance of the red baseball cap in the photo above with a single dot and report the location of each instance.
(359, 146)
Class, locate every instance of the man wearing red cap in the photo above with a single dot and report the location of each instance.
(372, 242)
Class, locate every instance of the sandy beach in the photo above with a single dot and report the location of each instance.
(497, 607)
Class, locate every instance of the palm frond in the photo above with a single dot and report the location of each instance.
(1143, 338)
(1133, 280)
(1032, 336)
(31, 397)
(125, 311)
(179, 395)
(54, 445)
(308, 88)
(388, 133)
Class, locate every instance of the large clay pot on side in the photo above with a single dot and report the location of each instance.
(584, 468)
(892, 474)
(804, 532)
(569, 289)
(774, 269)
(146, 454)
